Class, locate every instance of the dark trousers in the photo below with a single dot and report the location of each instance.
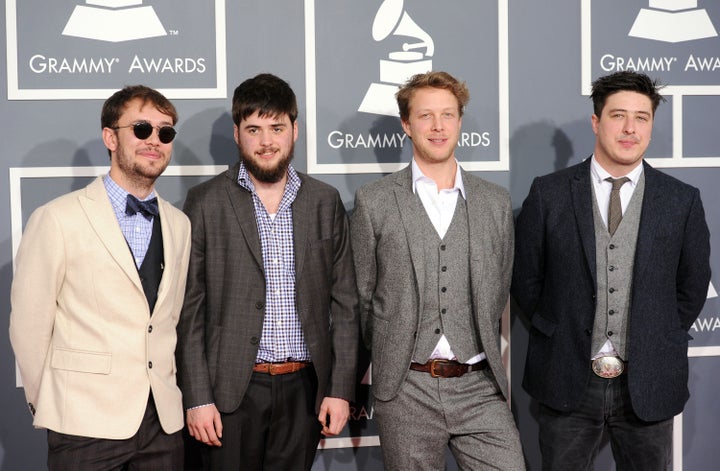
(150, 449)
(275, 427)
(571, 441)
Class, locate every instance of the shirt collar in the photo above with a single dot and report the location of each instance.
(419, 176)
(118, 195)
(599, 174)
(292, 185)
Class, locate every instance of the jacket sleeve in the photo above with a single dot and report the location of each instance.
(37, 282)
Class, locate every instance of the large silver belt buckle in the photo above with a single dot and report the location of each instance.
(608, 366)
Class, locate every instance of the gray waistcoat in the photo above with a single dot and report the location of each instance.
(615, 257)
(447, 305)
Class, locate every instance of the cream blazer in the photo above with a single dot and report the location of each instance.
(88, 348)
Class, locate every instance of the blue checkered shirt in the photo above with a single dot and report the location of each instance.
(136, 229)
(282, 336)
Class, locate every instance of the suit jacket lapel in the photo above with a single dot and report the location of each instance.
(101, 216)
(242, 203)
(651, 217)
(410, 209)
(300, 220)
(582, 201)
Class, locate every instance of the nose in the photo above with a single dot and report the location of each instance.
(265, 138)
(629, 126)
(437, 123)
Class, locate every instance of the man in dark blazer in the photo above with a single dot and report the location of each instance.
(612, 276)
(433, 248)
(268, 335)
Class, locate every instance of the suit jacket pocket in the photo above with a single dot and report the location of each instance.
(82, 361)
(543, 325)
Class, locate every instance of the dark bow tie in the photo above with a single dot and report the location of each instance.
(147, 208)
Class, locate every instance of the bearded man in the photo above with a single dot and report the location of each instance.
(268, 334)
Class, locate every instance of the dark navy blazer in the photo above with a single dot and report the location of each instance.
(554, 283)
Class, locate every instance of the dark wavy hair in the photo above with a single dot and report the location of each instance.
(265, 94)
(625, 81)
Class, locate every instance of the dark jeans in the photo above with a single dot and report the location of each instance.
(571, 440)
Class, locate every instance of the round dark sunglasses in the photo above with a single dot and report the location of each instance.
(143, 130)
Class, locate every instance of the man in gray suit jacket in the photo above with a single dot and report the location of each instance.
(433, 253)
(268, 335)
(612, 266)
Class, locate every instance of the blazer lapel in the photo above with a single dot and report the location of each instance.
(242, 203)
(300, 219)
(651, 217)
(101, 216)
(170, 248)
(582, 201)
(410, 209)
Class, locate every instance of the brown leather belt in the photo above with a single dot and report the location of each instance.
(280, 368)
(447, 368)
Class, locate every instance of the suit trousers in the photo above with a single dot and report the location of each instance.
(468, 414)
(570, 441)
(150, 449)
(275, 427)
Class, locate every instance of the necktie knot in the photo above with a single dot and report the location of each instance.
(617, 183)
(148, 208)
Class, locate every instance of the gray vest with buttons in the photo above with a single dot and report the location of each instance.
(447, 307)
(615, 257)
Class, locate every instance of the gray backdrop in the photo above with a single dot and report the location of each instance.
(528, 65)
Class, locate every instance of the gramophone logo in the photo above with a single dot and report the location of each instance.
(392, 19)
(114, 21)
(673, 21)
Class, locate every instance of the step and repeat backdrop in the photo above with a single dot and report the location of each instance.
(528, 66)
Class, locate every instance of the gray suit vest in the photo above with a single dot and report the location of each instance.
(447, 307)
(615, 258)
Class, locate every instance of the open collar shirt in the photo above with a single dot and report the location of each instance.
(282, 336)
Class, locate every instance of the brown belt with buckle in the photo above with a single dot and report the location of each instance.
(447, 368)
(280, 368)
(608, 366)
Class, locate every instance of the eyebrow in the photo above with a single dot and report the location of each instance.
(630, 111)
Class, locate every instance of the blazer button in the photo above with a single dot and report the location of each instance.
(259, 305)
(253, 340)
(588, 332)
(150, 364)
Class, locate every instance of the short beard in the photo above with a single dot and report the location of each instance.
(267, 175)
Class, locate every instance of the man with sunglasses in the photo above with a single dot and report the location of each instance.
(95, 301)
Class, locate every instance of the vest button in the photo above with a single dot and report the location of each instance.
(437, 331)
(150, 364)
(253, 340)
(444, 269)
(612, 290)
(443, 289)
(611, 268)
(611, 312)
(259, 305)
(611, 246)
(443, 311)
(442, 247)
(150, 329)
(610, 333)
